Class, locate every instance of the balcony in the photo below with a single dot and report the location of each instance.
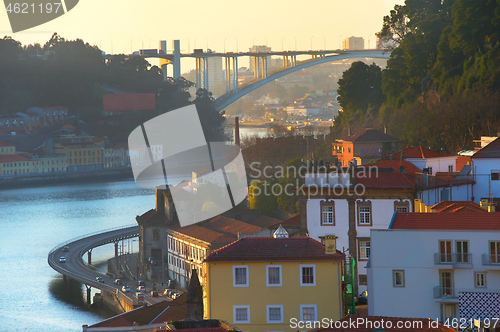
(445, 294)
(454, 260)
(492, 261)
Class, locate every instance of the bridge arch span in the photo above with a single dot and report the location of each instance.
(229, 98)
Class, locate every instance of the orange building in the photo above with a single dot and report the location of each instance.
(369, 144)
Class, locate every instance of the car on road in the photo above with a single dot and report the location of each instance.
(62, 259)
(126, 289)
(141, 288)
(99, 279)
(117, 282)
(175, 295)
(65, 249)
(153, 293)
(141, 283)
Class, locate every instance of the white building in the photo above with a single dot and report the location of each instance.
(353, 43)
(486, 168)
(215, 72)
(426, 158)
(439, 265)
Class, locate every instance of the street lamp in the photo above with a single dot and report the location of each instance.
(312, 42)
(295, 43)
(266, 40)
(142, 43)
(339, 41)
(225, 45)
(150, 43)
(207, 43)
(282, 39)
(195, 42)
(100, 44)
(236, 44)
(131, 46)
(253, 42)
(324, 39)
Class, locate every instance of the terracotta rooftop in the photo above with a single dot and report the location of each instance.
(491, 150)
(457, 206)
(263, 221)
(8, 158)
(229, 225)
(447, 221)
(2, 144)
(369, 321)
(417, 152)
(395, 164)
(369, 135)
(384, 180)
(271, 249)
(293, 221)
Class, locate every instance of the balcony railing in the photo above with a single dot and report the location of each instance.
(491, 259)
(444, 292)
(454, 259)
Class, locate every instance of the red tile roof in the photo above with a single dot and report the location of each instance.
(271, 249)
(395, 164)
(8, 158)
(384, 180)
(369, 135)
(387, 324)
(293, 221)
(264, 221)
(454, 206)
(491, 150)
(417, 152)
(6, 144)
(229, 225)
(447, 221)
(461, 162)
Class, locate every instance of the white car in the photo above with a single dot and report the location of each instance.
(62, 259)
(141, 288)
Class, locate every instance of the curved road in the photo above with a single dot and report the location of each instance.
(75, 268)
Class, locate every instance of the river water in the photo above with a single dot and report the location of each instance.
(33, 297)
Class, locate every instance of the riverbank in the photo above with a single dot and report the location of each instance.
(66, 178)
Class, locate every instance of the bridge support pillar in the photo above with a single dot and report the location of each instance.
(227, 73)
(89, 294)
(235, 74)
(205, 76)
(176, 46)
(198, 73)
(116, 251)
(89, 257)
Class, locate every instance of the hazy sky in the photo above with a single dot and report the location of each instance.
(122, 25)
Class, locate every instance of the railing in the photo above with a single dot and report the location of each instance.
(491, 259)
(455, 259)
(444, 292)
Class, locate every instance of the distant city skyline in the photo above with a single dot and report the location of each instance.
(126, 26)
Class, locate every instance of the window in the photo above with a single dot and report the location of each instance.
(240, 276)
(307, 275)
(327, 213)
(445, 252)
(273, 275)
(480, 279)
(274, 314)
(462, 252)
(362, 279)
(308, 312)
(400, 206)
(495, 176)
(450, 168)
(364, 213)
(241, 314)
(495, 252)
(364, 250)
(430, 170)
(398, 278)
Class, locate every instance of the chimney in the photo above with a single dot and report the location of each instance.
(330, 244)
(160, 200)
(236, 131)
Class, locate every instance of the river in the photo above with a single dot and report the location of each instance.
(33, 221)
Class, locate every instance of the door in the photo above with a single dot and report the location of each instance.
(446, 283)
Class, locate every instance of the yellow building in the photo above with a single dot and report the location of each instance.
(83, 153)
(274, 284)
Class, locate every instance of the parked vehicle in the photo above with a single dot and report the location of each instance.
(65, 249)
(362, 298)
(117, 282)
(62, 259)
(126, 289)
(99, 279)
(141, 283)
(141, 288)
(148, 52)
(153, 294)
